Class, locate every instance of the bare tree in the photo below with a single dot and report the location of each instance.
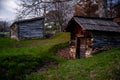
(63, 9)
(37, 8)
(30, 8)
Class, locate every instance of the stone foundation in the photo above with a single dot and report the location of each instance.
(88, 52)
(72, 52)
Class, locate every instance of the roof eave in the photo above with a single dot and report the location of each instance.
(80, 24)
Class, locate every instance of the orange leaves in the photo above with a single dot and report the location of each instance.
(86, 8)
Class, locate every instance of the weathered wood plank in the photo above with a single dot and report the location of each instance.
(31, 29)
(106, 39)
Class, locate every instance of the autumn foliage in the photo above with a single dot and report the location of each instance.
(86, 8)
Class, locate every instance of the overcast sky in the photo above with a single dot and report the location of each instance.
(7, 9)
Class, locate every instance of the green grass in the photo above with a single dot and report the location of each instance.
(34, 47)
(103, 66)
(18, 58)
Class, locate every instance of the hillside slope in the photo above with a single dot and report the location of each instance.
(19, 58)
(37, 60)
(103, 66)
(33, 47)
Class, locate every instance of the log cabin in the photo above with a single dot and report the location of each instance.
(27, 29)
(90, 35)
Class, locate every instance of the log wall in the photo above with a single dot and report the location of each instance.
(101, 39)
(33, 29)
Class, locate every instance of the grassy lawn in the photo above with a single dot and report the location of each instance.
(19, 60)
(33, 47)
(103, 66)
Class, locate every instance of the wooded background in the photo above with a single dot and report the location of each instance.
(57, 13)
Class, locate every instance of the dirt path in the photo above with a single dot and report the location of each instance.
(47, 66)
(64, 53)
(37, 43)
(30, 44)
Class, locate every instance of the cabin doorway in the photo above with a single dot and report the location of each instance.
(80, 47)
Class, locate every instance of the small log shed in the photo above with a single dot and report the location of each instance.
(90, 35)
(27, 29)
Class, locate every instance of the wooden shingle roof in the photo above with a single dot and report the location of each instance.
(98, 24)
(30, 20)
(27, 20)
